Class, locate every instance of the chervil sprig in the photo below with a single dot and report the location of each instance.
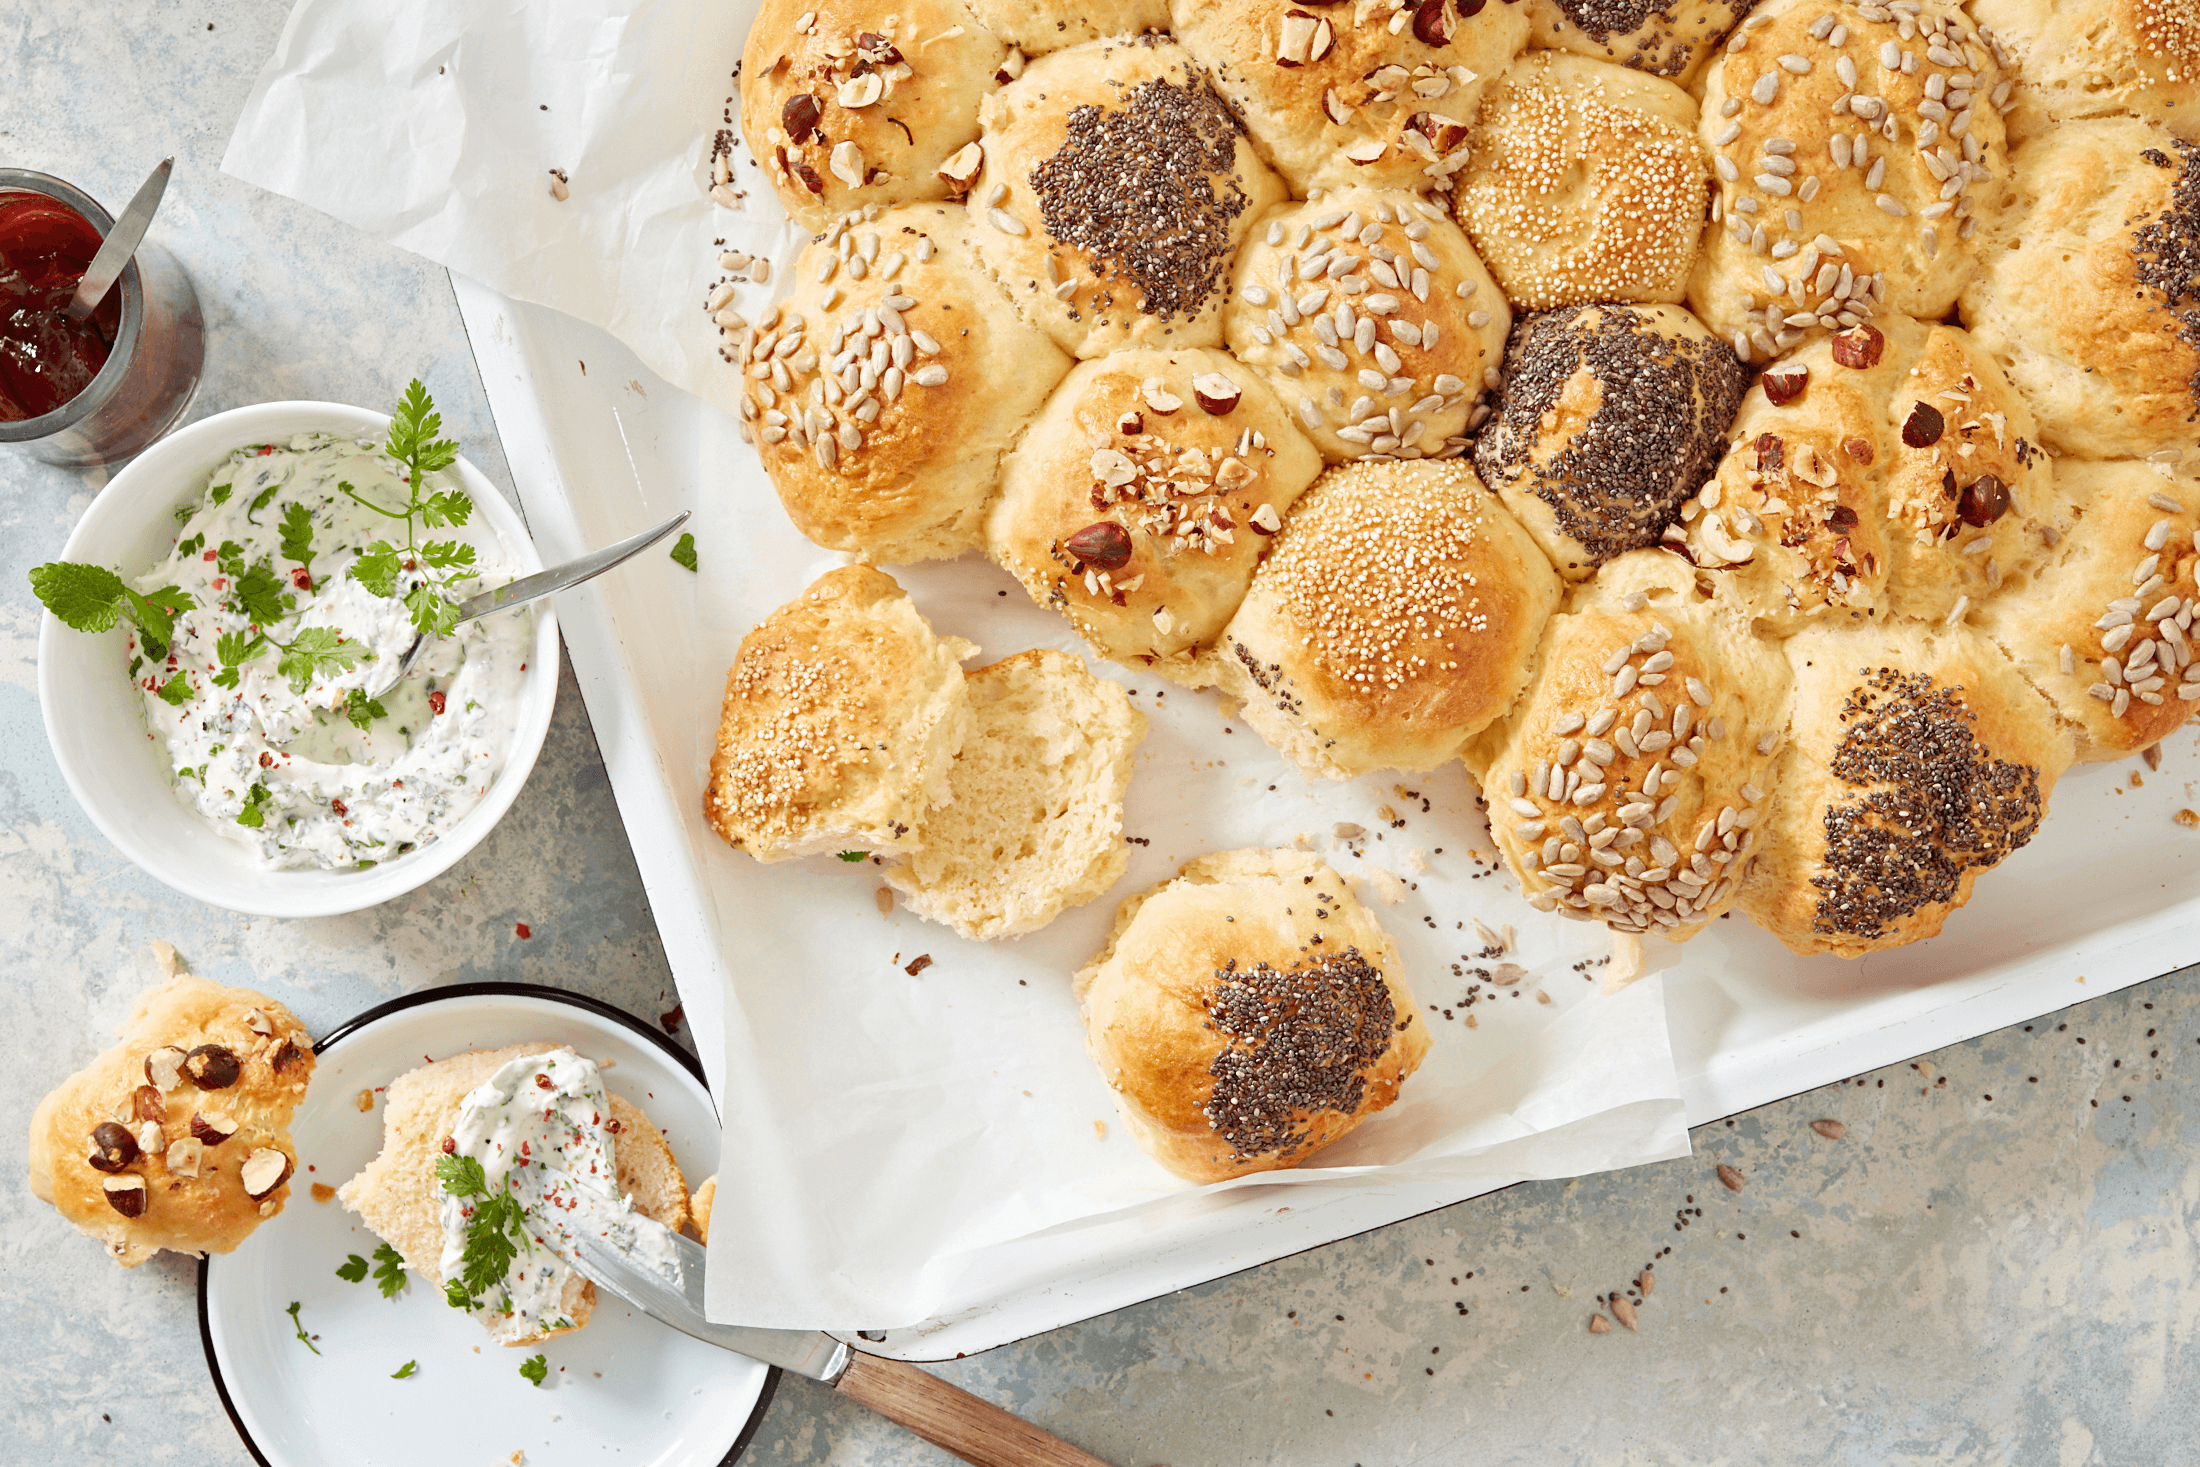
(414, 444)
(495, 1231)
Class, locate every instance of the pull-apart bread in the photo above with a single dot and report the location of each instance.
(1247, 1014)
(179, 1136)
(1675, 40)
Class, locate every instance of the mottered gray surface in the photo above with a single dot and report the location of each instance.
(1996, 1263)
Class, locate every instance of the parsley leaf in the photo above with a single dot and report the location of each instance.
(363, 710)
(495, 1230)
(352, 1270)
(389, 1271)
(683, 550)
(448, 554)
(220, 493)
(254, 814)
(412, 440)
(313, 651)
(451, 507)
(260, 503)
(259, 593)
(191, 546)
(536, 1369)
(852, 856)
(298, 533)
(461, 1176)
(229, 559)
(433, 613)
(376, 569)
(292, 1311)
(406, 1371)
(175, 692)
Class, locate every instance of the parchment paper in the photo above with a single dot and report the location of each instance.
(902, 1147)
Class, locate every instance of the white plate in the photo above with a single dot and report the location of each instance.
(625, 1389)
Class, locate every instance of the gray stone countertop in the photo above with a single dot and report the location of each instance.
(1998, 1262)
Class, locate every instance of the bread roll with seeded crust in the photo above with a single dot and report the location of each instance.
(1369, 93)
(830, 137)
(1247, 1014)
(1034, 30)
(187, 1135)
(1141, 497)
(1586, 183)
(1116, 186)
(1673, 40)
(1889, 470)
(2090, 294)
(1395, 617)
(1369, 314)
(1608, 420)
(1896, 226)
(2097, 58)
(888, 442)
(1918, 758)
(2126, 686)
(1629, 783)
(842, 716)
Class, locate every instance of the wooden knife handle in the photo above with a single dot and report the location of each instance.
(949, 1416)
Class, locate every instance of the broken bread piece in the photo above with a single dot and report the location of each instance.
(842, 715)
(400, 1196)
(1035, 824)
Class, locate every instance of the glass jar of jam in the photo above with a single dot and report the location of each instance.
(100, 390)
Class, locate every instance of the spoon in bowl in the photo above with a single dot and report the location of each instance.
(120, 244)
(532, 588)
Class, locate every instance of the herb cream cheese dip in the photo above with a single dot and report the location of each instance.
(261, 699)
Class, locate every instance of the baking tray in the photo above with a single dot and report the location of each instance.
(2103, 898)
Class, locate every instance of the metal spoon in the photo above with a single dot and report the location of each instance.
(533, 588)
(120, 244)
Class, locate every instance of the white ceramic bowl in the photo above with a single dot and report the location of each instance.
(96, 722)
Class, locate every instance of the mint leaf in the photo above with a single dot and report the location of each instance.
(314, 651)
(299, 1324)
(536, 1370)
(259, 592)
(433, 613)
(363, 710)
(85, 597)
(352, 1270)
(451, 507)
(175, 692)
(683, 550)
(298, 533)
(406, 1371)
(447, 554)
(377, 567)
(254, 814)
(461, 1176)
(389, 1271)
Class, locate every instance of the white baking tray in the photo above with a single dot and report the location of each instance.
(2103, 898)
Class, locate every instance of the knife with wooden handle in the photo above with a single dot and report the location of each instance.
(661, 1273)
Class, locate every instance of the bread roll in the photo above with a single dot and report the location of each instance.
(1395, 617)
(874, 390)
(2097, 58)
(1886, 471)
(1826, 155)
(1629, 785)
(186, 1124)
(1034, 30)
(2089, 294)
(1373, 94)
(841, 720)
(399, 1196)
(1116, 186)
(1586, 184)
(1919, 758)
(1370, 316)
(1035, 825)
(1608, 420)
(844, 107)
(1673, 40)
(2120, 550)
(1140, 499)
(1247, 1014)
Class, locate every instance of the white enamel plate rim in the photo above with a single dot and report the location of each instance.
(625, 1389)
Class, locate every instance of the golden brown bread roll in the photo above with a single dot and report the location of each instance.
(1115, 187)
(1918, 759)
(2097, 58)
(1247, 1014)
(1608, 420)
(1370, 316)
(1395, 617)
(1827, 154)
(2104, 628)
(1673, 40)
(874, 391)
(2090, 292)
(842, 716)
(1630, 783)
(1888, 470)
(844, 106)
(1586, 183)
(179, 1136)
(1372, 93)
(1139, 500)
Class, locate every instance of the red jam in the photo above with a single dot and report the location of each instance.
(45, 358)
